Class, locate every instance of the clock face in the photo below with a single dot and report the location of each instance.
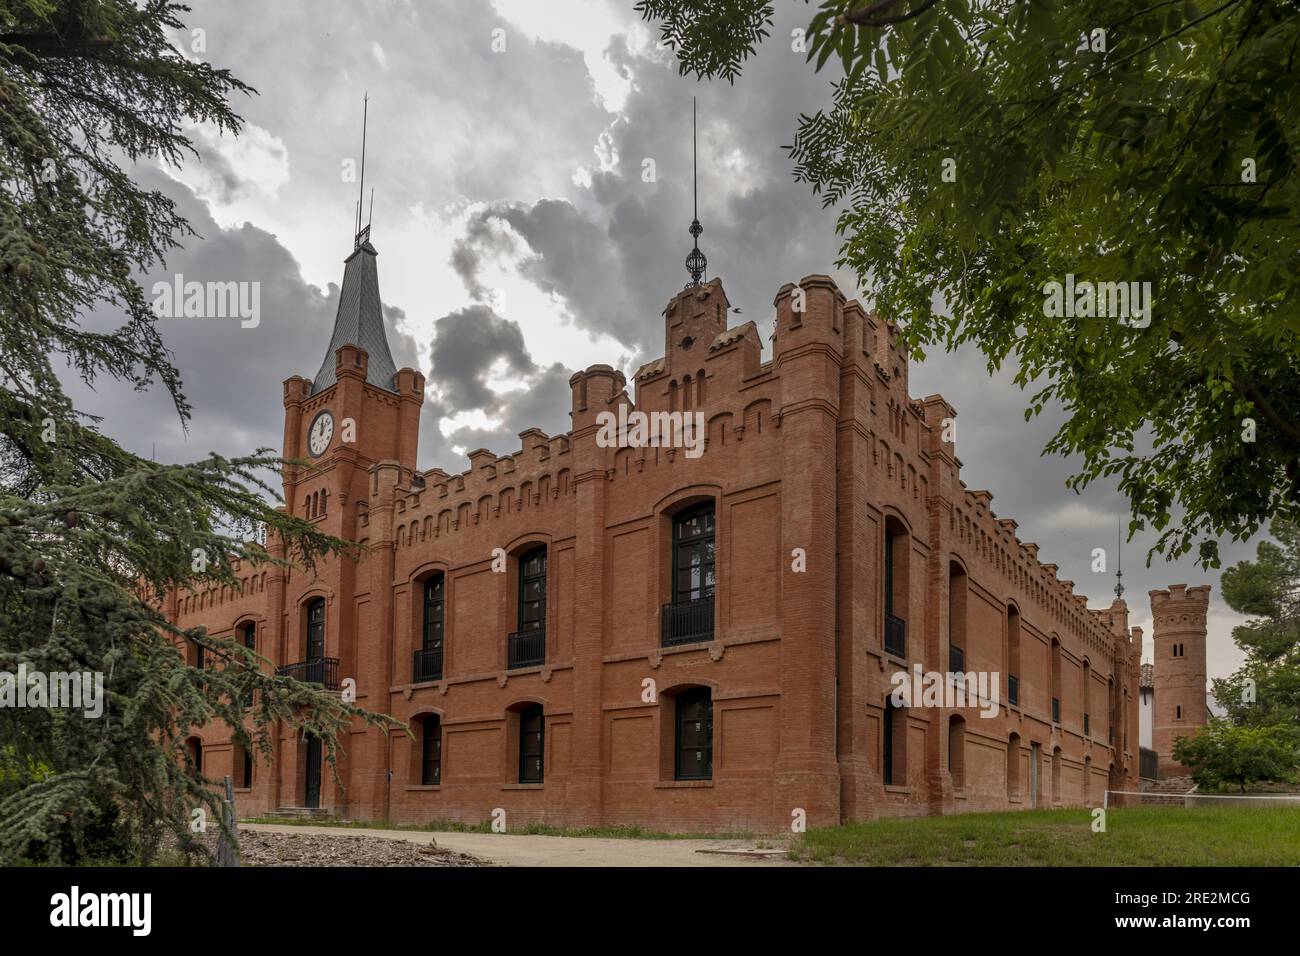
(318, 437)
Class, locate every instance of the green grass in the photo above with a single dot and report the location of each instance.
(1141, 836)
(620, 832)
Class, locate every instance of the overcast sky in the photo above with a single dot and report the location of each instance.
(519, 239)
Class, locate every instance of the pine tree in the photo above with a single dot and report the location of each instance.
(92, 537)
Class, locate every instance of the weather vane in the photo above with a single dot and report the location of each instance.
(695, 262)
(1119, 561)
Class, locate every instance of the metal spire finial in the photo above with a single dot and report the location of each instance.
(363, 235)
(695, 262)
(1119, 562)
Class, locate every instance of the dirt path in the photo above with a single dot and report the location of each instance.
(508, 849)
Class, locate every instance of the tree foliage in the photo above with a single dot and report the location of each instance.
(92, 537)
(1266, 690)
(979, 150)
(1223, 754)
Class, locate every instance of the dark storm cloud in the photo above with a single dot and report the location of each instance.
(466, 345)
(231, 375)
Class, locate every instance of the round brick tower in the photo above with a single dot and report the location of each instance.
(1180, 669)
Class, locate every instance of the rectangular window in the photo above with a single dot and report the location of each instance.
(247, 770)
(316, 629)
(695, 735)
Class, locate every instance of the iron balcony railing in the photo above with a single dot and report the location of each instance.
(315, 670)
(687, 622)
(427, 665)
(1056, 710)
(956, 660)
(526, 648)
(1013, 689)
(895, 636)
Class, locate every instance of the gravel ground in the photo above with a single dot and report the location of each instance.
(261, 848)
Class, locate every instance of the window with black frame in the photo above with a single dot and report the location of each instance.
(532, 744)
(532, 590)
(316, 629)
(431, 756)
(694, 735)
(247, 768)
(693, 554)
(428, 660)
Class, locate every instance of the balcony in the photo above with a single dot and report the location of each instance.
(1013, 689)
(427, 665)
(315, 670)
(1056, 710)
(526, 648)
(956, 660)
(895, 635)
(686, 622)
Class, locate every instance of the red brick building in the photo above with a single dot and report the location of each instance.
(581, 634)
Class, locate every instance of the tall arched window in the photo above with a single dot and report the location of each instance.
(315, 629)
(428, 659)
(1013, 766)
(1013, 654)
(1087, 690)
(532, 744)
(1056, 775)
(895, 587)
(893, 750)
(956, 618)
(1056, 681)
(957, 751)
(527, 645)
(694, 735)
(689, 617)
(431, 751)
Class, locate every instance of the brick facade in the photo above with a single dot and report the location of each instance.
(816, 461)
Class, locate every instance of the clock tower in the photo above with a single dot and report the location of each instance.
(353, 431)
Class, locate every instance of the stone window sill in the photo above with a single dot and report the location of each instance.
(423, 786)
(890, 788)
(682, 784)
(522, 786)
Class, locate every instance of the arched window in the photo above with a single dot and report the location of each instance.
(1013, 766)
(532, 744)
(956, 618)
(431, 751)
(957, 751)
(893, 750)
(1013, 654)
(693, 747)
(1087, 689)
(1056, 775)
(1056, 681)
(315, 629)
(428, 659)
(895, 587)
(689, 618)
(526, 646)
(249, 633)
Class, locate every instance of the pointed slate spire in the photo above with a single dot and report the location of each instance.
(360, 321)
